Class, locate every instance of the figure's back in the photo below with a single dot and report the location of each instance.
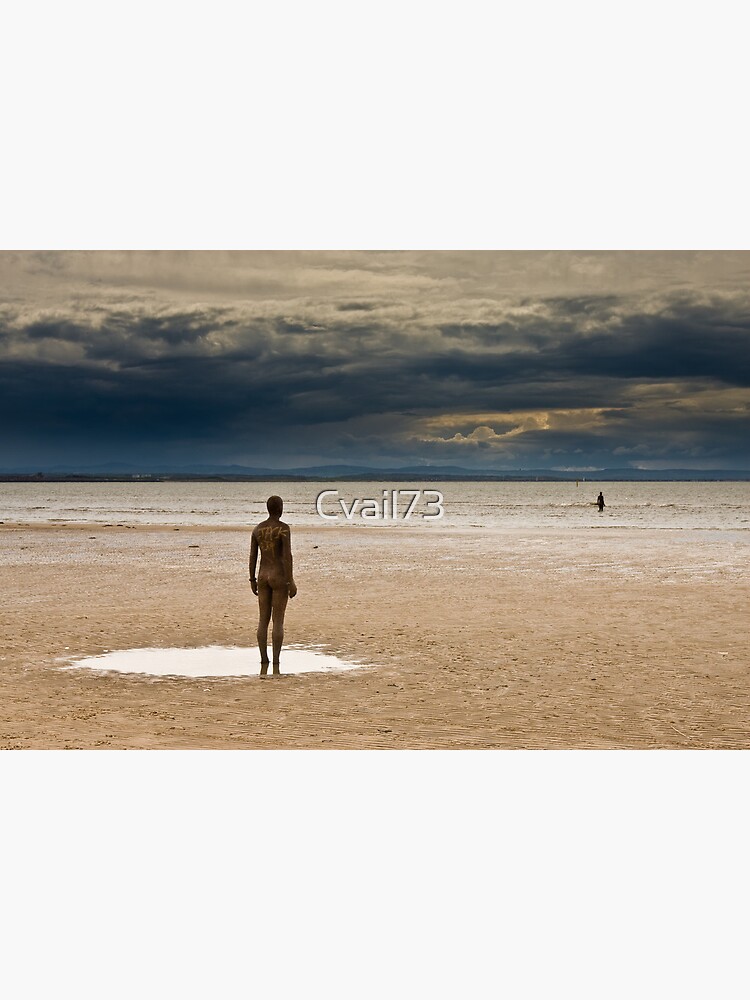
(271, 535)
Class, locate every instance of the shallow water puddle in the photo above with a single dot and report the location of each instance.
(210, 661)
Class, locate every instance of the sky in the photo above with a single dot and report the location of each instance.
(486, 360)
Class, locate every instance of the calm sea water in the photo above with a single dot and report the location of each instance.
(670, 506)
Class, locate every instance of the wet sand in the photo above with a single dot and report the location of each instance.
(600, 638)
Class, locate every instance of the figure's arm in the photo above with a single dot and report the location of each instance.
(288, 562)
(253, 560)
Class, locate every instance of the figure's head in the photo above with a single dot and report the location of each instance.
(275, 506)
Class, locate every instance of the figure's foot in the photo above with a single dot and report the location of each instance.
(263, 668)
(276, 668)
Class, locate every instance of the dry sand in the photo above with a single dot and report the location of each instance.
(606, 639)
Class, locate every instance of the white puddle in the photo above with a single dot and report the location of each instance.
(210, 661)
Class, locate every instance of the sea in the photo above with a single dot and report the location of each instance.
(666, 506)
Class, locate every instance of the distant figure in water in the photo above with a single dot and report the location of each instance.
(275, 582)
(600, 502)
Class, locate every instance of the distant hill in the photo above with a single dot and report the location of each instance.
(122, 471)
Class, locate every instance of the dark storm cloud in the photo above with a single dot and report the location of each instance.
(354, 375)
(683, 340)
(57, 330)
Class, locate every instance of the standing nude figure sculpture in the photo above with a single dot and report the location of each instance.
(275, 582)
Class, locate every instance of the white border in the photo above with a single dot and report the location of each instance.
(332, 126)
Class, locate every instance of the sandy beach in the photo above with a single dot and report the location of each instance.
(472, 639)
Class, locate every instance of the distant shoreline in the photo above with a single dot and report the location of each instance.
(735, 476)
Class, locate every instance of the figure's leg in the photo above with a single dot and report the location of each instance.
(280, 598)
(264, 617)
